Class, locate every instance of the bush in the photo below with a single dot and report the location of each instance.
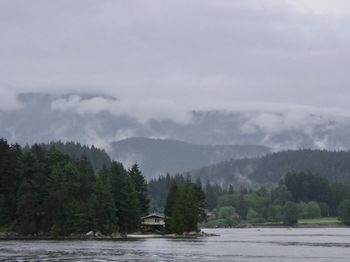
(56, 230)
(227, 212)
(344, 212)
(254, 218)
(309, 210)
(313, 210)
(290, 214)
(275, 213)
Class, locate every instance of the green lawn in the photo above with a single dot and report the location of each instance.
(319, 221)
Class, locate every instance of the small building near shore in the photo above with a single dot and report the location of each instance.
(153, 222)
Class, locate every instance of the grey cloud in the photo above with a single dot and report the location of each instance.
(280, 62)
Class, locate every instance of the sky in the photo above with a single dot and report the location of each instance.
(161, 59)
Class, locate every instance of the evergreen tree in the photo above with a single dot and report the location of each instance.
(140, 187)
(27, 197)
(231, 190)
(9, 180)
(125, 197)
(211, 197)
(188, 209)
(78, 220)
(26, 209)
(170, 201)
(103, 210)
(86, 178)
(242, 207)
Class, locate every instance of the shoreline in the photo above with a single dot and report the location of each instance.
(11, 236)
(135, 236)
(281, 226)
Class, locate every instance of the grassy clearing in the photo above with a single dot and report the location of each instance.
(320, 221)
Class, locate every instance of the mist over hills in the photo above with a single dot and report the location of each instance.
(158, 156)
(94, 119)
(270, 169)
(209, 138)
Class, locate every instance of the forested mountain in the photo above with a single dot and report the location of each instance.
(269, 169)
(159, 156)
(97, 157)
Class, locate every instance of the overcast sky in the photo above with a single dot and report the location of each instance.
(160, 59)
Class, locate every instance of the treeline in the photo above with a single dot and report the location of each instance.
(98, 157)
(298, 195)
(185, 207)
(270, 169)
(43, 190)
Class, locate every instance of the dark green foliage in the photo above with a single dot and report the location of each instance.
(344, 212)
(185, 204)
(242, 207)
(306, 187)
(210, 195)
(170, 201)
(26, 209)
(309, 210)
(125, 199)
(339, 192)
(103, 209)
(78, 220)
(158, 190)
(44, 190)
(140, 184)
(281, 195)
(96, 156)
(9, 180)
(290, 214)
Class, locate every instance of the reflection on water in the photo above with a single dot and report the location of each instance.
(263, 245)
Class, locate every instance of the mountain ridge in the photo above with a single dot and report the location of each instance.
(271, 168)
(159, 156)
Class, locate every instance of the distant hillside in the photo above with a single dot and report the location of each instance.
(271, 168)
(158, 156)
(98, 157)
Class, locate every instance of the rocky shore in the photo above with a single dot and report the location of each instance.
(99, 236)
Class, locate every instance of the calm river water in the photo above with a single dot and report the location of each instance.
(279, 244)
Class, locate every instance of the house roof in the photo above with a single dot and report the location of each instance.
(154, 215)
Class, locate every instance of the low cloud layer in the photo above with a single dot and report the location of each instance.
(161, 60)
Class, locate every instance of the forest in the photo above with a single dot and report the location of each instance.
(300, 195)
(43, 190)
(55, 189)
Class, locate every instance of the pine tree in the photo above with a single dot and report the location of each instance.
(188, 209)
(169, 206)
(27, 195)
(128, 211)
(86, 178)
(140, 187)
(210, 196)
(103, 211)
(26, 209)
(9, 180)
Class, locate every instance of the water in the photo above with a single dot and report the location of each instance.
(263, 245)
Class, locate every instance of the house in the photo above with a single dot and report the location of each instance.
(211, 216)
(153, 222)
